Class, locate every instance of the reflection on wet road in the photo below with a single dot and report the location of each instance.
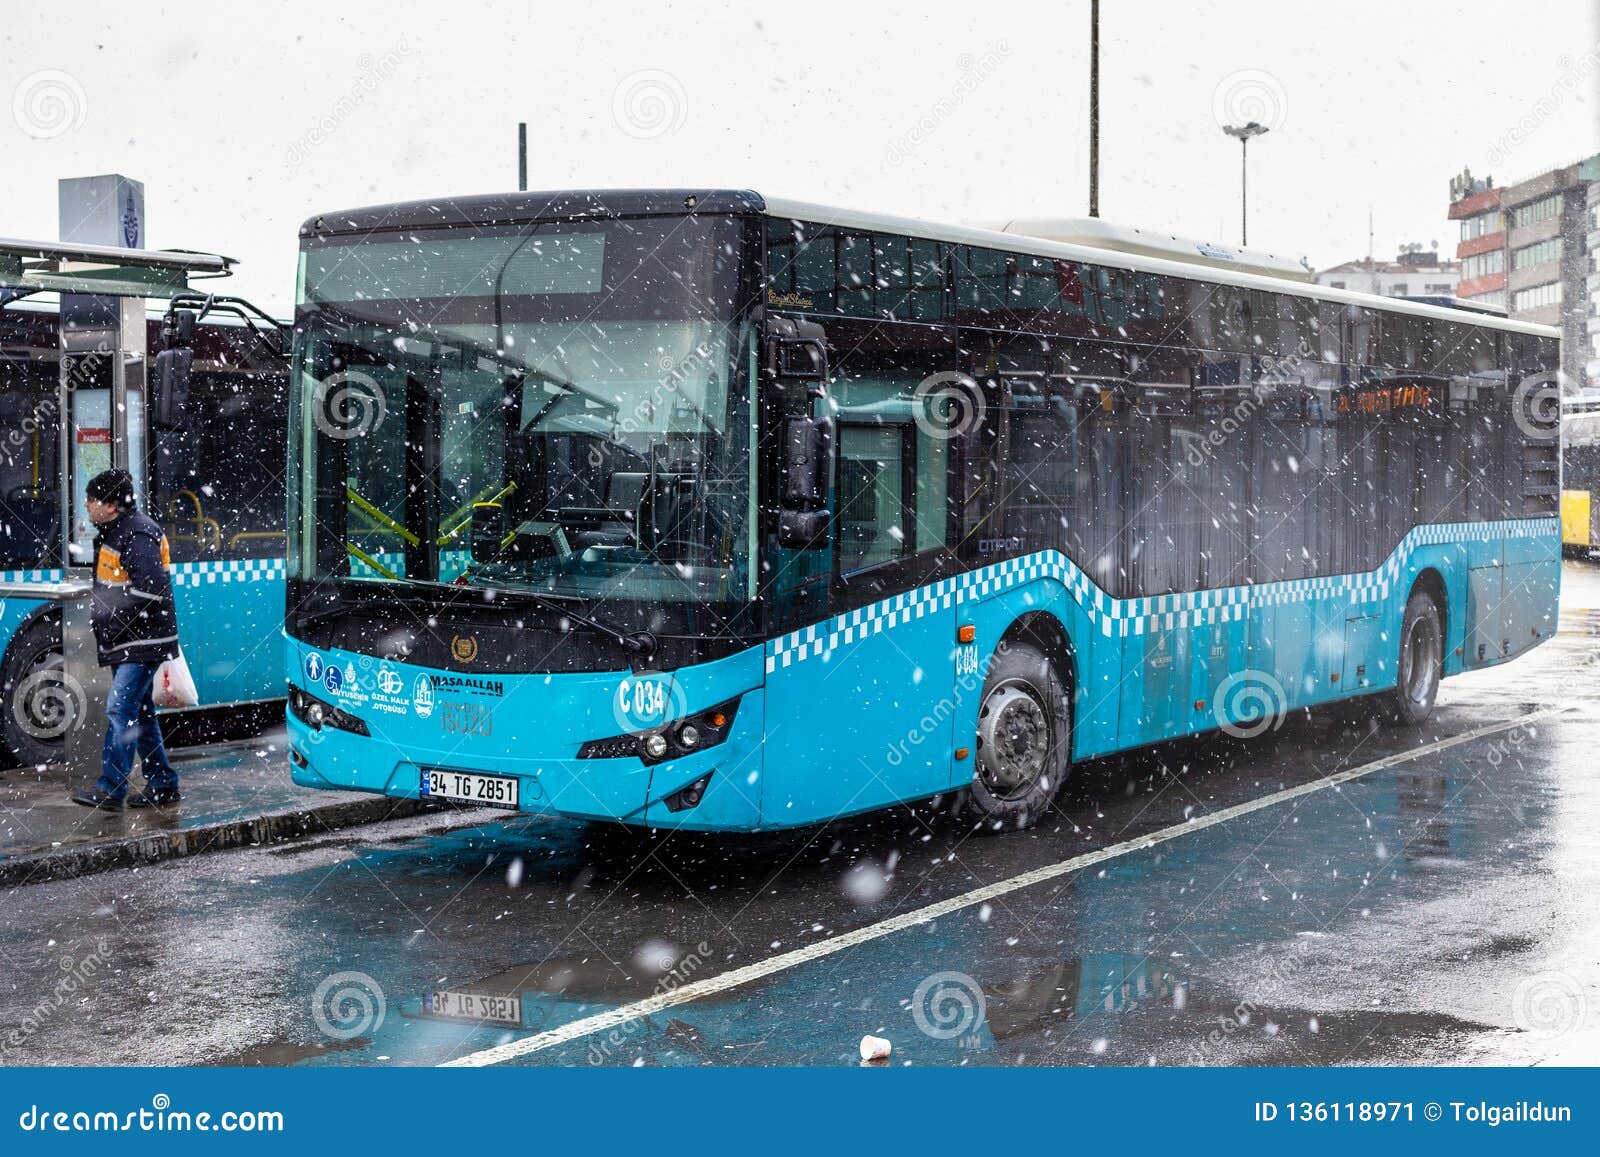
(1434, 909)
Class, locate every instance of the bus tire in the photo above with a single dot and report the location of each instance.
(1421, 662)
(35, 705)
(1023, 746)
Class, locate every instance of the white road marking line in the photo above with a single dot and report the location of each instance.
(684, 994)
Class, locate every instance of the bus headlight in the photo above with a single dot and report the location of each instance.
(314, 713)
(692, 733)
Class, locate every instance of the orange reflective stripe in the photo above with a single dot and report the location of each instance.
(166, 552)
(108, 567)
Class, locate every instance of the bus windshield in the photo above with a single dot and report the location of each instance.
(559, 408)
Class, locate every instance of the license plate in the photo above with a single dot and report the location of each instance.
(473, 1006)
(469, 787)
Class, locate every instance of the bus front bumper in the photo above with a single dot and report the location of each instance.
(718, 788)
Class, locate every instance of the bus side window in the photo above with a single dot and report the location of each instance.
(887, 375)
(217, 486)
(30, 495)
(875, 514)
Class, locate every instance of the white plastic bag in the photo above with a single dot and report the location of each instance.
(174, 686)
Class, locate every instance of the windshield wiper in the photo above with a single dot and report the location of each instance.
(641, 643)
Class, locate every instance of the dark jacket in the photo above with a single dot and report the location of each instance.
(135, 620)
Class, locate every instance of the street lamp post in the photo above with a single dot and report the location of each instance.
(1244, 132)
(1094, 108)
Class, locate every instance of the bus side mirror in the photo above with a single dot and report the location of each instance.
(797, 351)
(169, 388)
(797, 358)
(805, 462)
(802, 519)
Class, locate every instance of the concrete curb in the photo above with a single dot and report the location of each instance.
(153, 847)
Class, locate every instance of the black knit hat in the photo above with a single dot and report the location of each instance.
(113, 486)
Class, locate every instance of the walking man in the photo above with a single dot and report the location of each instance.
(135, 631)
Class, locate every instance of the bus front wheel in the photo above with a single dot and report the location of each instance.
(1421, 661)
(37, 707)
(1023, 747)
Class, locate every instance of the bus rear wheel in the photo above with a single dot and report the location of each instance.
(1023, 744)
(1421, 663)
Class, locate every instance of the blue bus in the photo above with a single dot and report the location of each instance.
(210, 466)
(700, 509)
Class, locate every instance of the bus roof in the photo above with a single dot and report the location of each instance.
(1139, 262)
(1113, 246)
(1097, 233)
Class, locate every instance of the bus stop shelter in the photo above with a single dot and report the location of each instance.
(103, 380)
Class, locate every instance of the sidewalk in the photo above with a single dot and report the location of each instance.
(234, 794)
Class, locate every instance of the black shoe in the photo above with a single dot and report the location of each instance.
(154, 797)
(97, 799)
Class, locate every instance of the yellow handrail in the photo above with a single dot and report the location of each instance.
(207, 530)
(380, 517)
(357, 553)
(463, 514)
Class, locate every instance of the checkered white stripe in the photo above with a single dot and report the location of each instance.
(184, 574)
(1131, 617)
(391, 560)
(451, 564)
(227, 570)
(32, 576)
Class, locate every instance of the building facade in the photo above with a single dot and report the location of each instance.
(1591, 176)
(1531, 248)
(1416, 272)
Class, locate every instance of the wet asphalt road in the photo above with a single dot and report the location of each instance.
(1438, 910)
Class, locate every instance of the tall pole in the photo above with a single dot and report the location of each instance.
(522, 156)
(1094, 108)
(1244, 133)
(1244, 192)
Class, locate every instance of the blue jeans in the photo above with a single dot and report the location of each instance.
(132, 728)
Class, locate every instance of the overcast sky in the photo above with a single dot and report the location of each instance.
(244, 120)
